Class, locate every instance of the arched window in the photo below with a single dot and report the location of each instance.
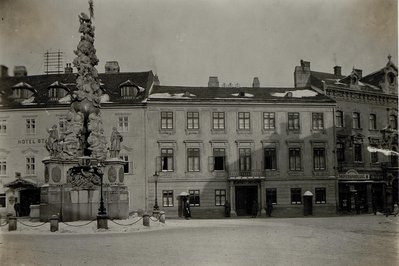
(22, 90)
(391, 78)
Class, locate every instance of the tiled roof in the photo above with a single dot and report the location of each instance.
(248, 94)
(41, 84)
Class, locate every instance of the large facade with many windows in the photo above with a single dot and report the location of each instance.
(242, 145)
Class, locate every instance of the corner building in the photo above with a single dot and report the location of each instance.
(366, 121)
(245, 145)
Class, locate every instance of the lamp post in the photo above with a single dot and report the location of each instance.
(156, 176)
(102, 210)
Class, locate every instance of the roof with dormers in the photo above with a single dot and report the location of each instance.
(237, 94)
(40, 84)
(370, 82)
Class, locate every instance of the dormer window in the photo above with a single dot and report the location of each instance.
(391, 78)
(353, 80)
(56, 91)
(129, 90)
(54, 94)
(22, 90)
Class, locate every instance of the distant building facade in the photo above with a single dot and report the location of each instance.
(366, 121)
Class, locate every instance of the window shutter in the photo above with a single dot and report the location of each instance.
(210, 163)
(226, 166)
(130, 167)
(158, 164)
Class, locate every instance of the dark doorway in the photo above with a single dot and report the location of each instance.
(245, 196)
(27, 198)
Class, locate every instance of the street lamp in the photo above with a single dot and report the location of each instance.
(156, 176)
(102, 210)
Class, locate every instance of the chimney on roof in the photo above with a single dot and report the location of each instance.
(256, 83)
(20, 71)
(359, 72)
(68, 68)
(302, 75)
(112, 67)
(213, 82)
(3, 71)
(337, 71)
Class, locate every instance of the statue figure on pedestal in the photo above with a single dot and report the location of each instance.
(53, 141)
(116, 139)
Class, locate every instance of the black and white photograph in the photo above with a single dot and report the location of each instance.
(207, 132)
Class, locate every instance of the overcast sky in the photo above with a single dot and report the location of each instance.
(185, 42)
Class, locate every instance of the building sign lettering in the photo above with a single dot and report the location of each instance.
(31, 141)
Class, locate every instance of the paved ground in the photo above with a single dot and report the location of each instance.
(351, 240)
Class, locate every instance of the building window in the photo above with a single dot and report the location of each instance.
(62, 124)
(128, 92)
(3, 126)
(319, 159)
(271, 195)
(3, 167)
(193, 159)
(293, 121)
(339, 119)
(295, 159)
(374, 155)
(356, 120)
(220, 197)
(393, 121)
(340, 152)
(166, 120)
(320, 195)
(269, 121)
(167, 198)
(123, 124)
(192, 120)
(56, 93)
(245, 161)
(372, 122)
(30, 165)
(317, 121)
(22, 93)
(128, 165)
(194, 198)
(2, 200)
(270, 159)
(30, 126)
(296, 196)
(358, 152)
(244, 122)
(167, 160)
(219, 157)
(218, 120)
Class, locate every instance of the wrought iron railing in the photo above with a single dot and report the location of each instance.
(247, 173)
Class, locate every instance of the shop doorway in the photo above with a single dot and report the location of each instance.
(245, 196)
(28, 197)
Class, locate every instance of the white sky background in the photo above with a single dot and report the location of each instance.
(186, 41)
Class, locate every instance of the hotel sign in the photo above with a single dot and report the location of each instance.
(31, 141)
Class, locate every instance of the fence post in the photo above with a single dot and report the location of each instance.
(12, 223)
(54, 223)
(146, 219)
(162, 217)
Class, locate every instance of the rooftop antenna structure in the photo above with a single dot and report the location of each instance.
(53, 62)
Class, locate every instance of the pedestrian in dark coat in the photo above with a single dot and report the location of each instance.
(254, 209)
(269, 208)
(186, 208)
(227, 208)
(17, 209)
(374, 202)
